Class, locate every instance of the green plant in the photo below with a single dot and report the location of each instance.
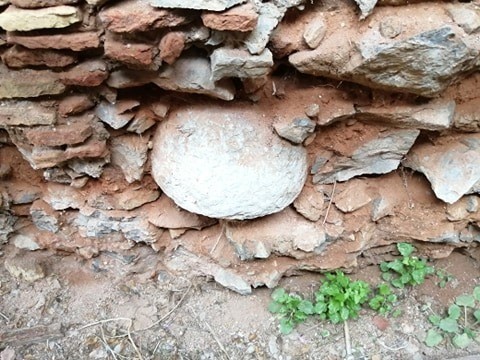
(291, 308)
(409, 270)
(339, 298)
(383, 299)
(443, 277)
(461, 323)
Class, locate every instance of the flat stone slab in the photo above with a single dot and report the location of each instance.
(212, 5)
(224, 162)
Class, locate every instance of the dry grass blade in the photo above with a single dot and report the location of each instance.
(330, 202)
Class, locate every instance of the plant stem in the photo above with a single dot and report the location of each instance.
(348, 346)
(465, 312)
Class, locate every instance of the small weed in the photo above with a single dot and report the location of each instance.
(443, 277)
(339, 298)
(409, 270)
(292, 309)
(461, 323)
(383, 299)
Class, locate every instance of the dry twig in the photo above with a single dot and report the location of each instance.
(330, 202)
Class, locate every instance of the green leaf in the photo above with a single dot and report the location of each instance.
(398, 283)
(476, 314)
(465, 300)
(387, 276)
(279, 295)
(476, 293)
(275, 307)
(418, 276)
(454, 311)
(286, 326)
(306, 307)
(384, 289)
(397, 313)
(461, 341)
(344, 314)
(448, 325)
(397, 266)
(384, 266)
(405, 249)
(433, 338)
(434, 319)
(320, 307)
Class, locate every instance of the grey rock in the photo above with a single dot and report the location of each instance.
(242, 157)
(91, 167)
(7, 222)
(25, 242)
(187, 262)
(452, 167)
(467, 16)
(192, 74)
(44, 217)
(435, 115)
(378, 156)
(212, 5)
(295, 131)
(226, 62)
(21, 192)
(61, 197)
(22, 266)
(366, 7)
(116, 115)
(285, 233)
(381, 207)
(129, 152)
(312, 110)
(390, 27)
(424, 64)
(28, 113)
(315, 32)
(268, 19)
(126, 78)
(467, 116)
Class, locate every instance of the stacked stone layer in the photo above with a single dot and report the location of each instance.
(341, 127)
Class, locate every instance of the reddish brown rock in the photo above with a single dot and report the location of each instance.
(125, 78)
(241, 18)
(19, 57)
(74, 104)
(73, 41)
(138, 55)
(65, 134)
(89, 73)
(171, 46)
(137, 15)
(33, 4)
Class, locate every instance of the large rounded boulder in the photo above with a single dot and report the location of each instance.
(224, 161)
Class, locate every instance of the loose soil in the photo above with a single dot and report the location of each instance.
(119, 306)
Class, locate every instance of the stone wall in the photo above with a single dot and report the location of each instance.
(242, 140)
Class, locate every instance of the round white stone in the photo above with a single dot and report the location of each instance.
(225, 162)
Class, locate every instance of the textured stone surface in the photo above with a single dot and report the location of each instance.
(285, 233)
(315, 32)
(74, 132)
(434, 115)
(240, 18)
(19, 84)
(467, 16)
(125, 78)
(424, 64)
(33, 4)
(129, 152)
(366, 7)
(116, 115)
(27, 113)
(192, 74)
(92, 72)
(20, 57)
(380, 153)
(73, 41)
(131, 53)
(171, 46)
(310, 203)
(15, 19)
(452, 167)
(296, 130)
(213, 5)
(268, 19)
(74, 104)
(137, 15)
(240, 63)
(237, 163)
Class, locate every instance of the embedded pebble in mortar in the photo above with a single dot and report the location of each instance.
(224, 162)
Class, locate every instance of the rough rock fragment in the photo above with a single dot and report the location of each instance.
(268, 19)
(192, 74)
(467, 116)
(74, 104)
(315, 32)
(19, 84)
(34, 4)
(22, 192)
(131, 53)
(424, 64)
(435, 115)
(28, 113)
(20, 57)
(137, 15)
(88, 73)
(129, 152)
(212, 5)
(243, 157)
(126, 78)
(44, 217)
(23, 266)
(240, 18)
(132, 198)
(164, 213)
(171, 46)
(466, 16)
(374, 150)
(226, 62)
(452, 166)
(116, 115)
(310, 202)
(7, 222)
(353, 197)
(285, 233)
(295, 131)
(366, 7)
(144, 119)
(74, 41)
(15, 19)
(75, 132)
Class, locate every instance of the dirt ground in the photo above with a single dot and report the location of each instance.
(127, 307)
